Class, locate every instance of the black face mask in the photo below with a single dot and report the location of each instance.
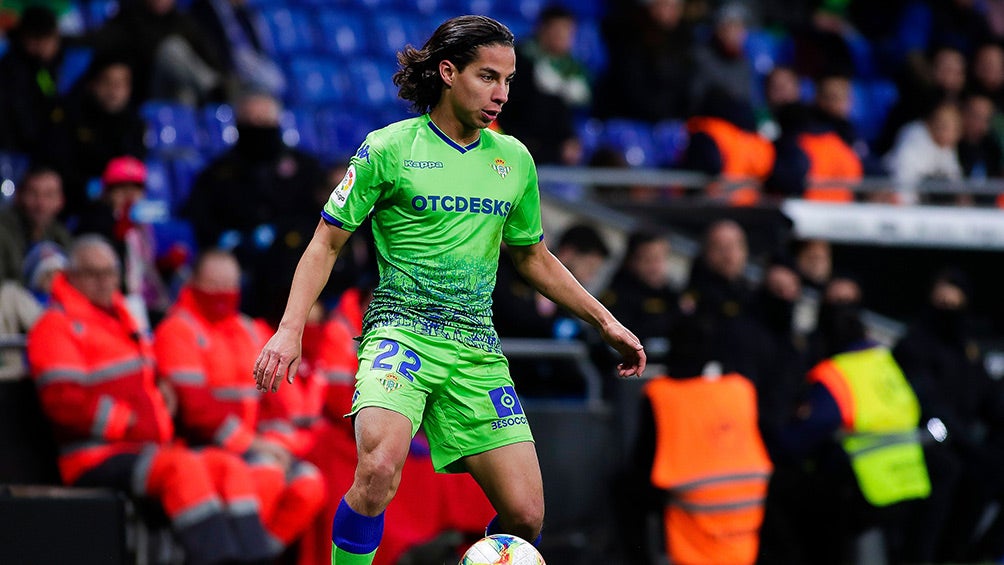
(259, 142)
(949, 324)
(840, 326)
(777, 313)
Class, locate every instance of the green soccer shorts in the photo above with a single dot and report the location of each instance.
(461, 396)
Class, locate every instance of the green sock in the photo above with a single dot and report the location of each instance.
(341, 557)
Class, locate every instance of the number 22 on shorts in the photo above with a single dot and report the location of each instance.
(389, 349)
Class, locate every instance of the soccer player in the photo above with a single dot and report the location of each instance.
(444, 192)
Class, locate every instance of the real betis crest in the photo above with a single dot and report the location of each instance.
(500, 167)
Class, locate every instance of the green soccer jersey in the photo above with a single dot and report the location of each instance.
(440, 212)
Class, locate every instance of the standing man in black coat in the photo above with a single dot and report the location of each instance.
(258, 199)
(945, 367)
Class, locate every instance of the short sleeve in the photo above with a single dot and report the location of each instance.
(365, 180)
(523, 225)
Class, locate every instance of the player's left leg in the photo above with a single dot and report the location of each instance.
(510, 477)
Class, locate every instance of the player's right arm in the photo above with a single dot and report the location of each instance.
(281, 355)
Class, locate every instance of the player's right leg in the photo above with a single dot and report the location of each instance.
(383, 438)
(397, 371)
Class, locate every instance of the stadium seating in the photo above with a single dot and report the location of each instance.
(590, 134)
(300, 130)
(286, 30)
(316, 81)
(172, 127)
(589, 47)
(183, 172)
(634, 139)
(343, 33)
(12, 167)
(74, 65)
(97, 12)
(871, 102)
(158, 180)
(172, 232)
(767, 49)
(389, 32)
(218, 127)
(670, 138)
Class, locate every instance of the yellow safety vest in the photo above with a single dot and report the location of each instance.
(880, 415)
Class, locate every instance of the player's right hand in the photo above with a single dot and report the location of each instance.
(279, 358)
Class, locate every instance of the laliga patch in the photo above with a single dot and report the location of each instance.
(500, 167)
(340, 195)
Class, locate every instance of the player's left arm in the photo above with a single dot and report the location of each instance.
(543, 270)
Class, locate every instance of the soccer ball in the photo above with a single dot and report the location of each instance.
(502, 549)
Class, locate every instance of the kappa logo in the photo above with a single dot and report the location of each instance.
(364, 152)
(340, 195)
(409, 164)
(500, 167)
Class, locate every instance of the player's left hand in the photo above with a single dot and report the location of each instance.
(630, 348)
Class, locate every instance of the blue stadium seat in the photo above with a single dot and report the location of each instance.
(371, 84)
(219, 128)
(100, 11)
(670, 138)
(586, 8)
(175, 230)
(171, 127)
(342, 32)
(634, 139)
(590, 134)
(389, 32)
(862, 53)
(13, 165)
(316, 80)
(766, 50)
(76, 59)
(870, 105)
(158, 180)
(345, 132)
(483, 7)
(300, 130)
(286, 30)
(527, 10)
(184, 171)
(589, 47)
(521, 28)
(806, 89)
(424, 7)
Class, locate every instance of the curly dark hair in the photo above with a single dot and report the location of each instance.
(457, 39)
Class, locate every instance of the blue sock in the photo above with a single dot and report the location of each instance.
(355, 533)
(494, 527)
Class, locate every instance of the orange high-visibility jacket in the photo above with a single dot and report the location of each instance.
(830, 159)
(710, 458)
(95, 376)
(744, 154)
(210, 364)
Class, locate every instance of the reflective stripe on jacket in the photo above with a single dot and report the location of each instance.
(210, 366)
(95, 376)
(710, 458)
(745, 155)
(830, 159)
(880, 414)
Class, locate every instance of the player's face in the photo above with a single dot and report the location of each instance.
(477, 93)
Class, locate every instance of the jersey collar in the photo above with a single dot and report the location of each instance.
(462, 149)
